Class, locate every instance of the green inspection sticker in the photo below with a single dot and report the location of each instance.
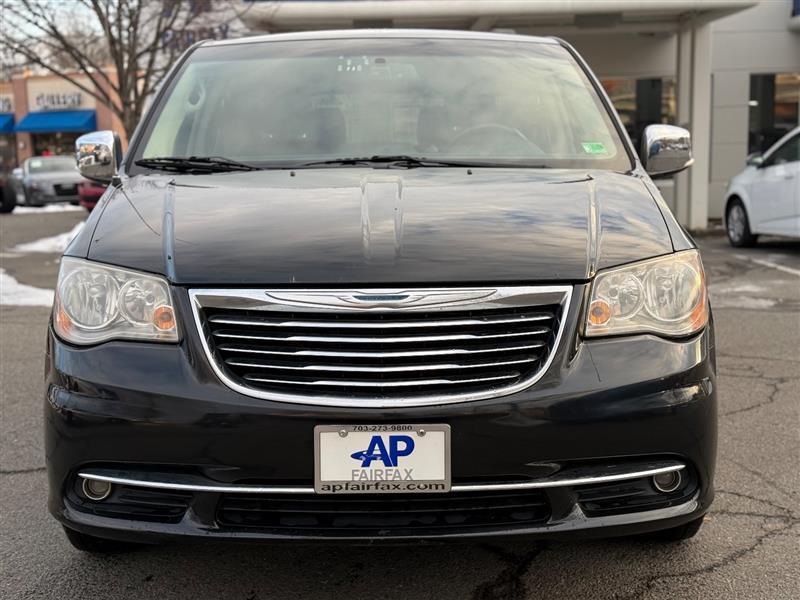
(594, 147)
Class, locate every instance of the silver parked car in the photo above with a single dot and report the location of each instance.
(45, 179)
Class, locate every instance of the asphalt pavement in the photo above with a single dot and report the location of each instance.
(749, 546)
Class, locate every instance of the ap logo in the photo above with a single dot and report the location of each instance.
(399, 445)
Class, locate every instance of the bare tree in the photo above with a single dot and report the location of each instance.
(124, 48)
(82, 35)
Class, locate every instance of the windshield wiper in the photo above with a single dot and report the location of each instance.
(195, 164)
(398, 160)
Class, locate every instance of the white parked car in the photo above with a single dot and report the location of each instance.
(765, 197)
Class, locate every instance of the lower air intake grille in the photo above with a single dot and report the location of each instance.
(623, 497)
(138, 504)
(481, 346)
(383, 515)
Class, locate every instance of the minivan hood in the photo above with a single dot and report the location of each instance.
(346, 226)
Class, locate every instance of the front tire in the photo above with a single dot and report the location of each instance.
(96, 545)
(8, 200)
(737, 225)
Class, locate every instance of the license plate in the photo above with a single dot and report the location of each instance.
(381, 459)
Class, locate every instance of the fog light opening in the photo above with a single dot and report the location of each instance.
(667, 482)
(96, 490)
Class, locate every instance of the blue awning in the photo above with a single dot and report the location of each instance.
(6, 122)
(52, 121)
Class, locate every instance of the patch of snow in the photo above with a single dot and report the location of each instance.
(744, 302)
(55, 244)
(776, 257)
(770, 264)
(47, 208)
(14, 293)
(746, 288)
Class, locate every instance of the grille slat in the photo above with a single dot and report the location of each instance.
(326, 339)
(498, 340)
(381, 354)
(380, 383)
(382, 324)
(365, 369)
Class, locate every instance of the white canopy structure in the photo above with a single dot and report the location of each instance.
(600, 23)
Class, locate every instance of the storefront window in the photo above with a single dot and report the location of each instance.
(8, 152)
(54, 144)
(774, 106)
(642, 102)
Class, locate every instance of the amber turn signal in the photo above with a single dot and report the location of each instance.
(599, 312)
(164, 318)
(63, 321)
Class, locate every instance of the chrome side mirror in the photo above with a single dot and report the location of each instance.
(666, 149)
(754, 160)
(98, 155)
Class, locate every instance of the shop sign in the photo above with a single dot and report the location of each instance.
(63, 101)
(178, 41)
(213, 23)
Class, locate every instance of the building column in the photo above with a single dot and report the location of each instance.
(694, 113)
(683, 90)
(24, 141)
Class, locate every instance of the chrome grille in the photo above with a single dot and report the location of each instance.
(380, 347)
(65, 189)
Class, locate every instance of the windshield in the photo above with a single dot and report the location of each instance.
(288, 103)
(50, 164)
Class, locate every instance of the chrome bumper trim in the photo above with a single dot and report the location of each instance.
(191, 484)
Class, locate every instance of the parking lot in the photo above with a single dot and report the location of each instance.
(748, 547)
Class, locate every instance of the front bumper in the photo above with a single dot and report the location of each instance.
(39, 198)
(156, 412)
(89, 199)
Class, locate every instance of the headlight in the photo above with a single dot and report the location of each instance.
(96, 302)
(665, 295)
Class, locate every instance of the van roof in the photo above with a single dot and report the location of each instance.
(344, 34)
